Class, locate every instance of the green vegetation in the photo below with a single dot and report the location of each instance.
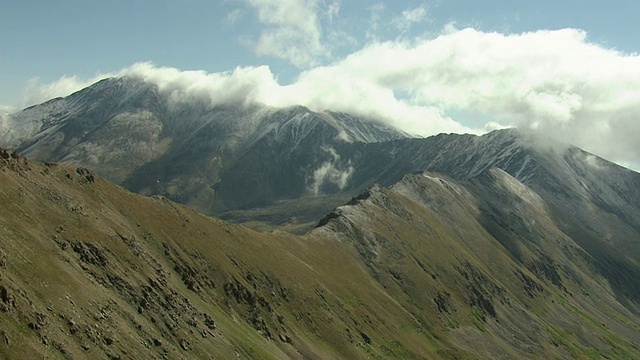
(90, 270)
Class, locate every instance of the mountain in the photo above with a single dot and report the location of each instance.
(504, 245)
(205, 156)
(90, 270)
(491, 249)
(288, 167)
(433, 266)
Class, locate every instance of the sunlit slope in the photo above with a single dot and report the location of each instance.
(429, 268)
(484, 264)
(91, 270)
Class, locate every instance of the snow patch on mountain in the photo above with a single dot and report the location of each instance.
(343, 136)
(511, 184)
(21, 126)
(448, 185)
(593, 161)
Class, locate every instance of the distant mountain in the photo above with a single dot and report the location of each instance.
(288, 167)
(481, 265)
(207, 157)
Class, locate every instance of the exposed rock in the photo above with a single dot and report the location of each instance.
(90, 253)
(184, 344)
(365, 338)
(87, 175)
(443, 302)
(209, 322)
(284, 338)
(109, 340)
(4, 294)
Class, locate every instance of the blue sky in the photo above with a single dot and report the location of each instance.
(48, 39)
(567, 67)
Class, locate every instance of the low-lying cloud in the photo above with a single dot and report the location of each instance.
(556, 83)
(36, 92)
(330, 172)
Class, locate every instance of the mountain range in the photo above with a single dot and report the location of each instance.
(454, 246)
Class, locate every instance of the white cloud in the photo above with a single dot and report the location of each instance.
(493, 125)
(36, 92)
(291, 31)
(376, 12)
(410, 17)
(332, 10)
(232, 17)
(331, 172)
(556, 83)
(6, 109)
(240, 85)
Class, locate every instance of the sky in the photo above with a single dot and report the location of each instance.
(567, 69)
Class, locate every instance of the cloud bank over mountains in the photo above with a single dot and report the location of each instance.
(463, 80)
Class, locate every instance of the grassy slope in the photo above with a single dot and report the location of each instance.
(426, 241)
(90, 270)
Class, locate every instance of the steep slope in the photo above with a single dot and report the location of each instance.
(288, 167)
(113, 126)
(90, 270)
(602, 198)
(485, 262)
(431, 267)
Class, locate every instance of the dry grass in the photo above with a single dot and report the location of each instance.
(91, 270)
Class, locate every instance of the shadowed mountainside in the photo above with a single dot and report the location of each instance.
(206, 156)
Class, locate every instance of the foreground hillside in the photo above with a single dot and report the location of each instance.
(90, 270)
(429, 268)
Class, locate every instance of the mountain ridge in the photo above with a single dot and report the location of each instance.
(286, 168)
(304, 160)
(133, 133)
(541, 250)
